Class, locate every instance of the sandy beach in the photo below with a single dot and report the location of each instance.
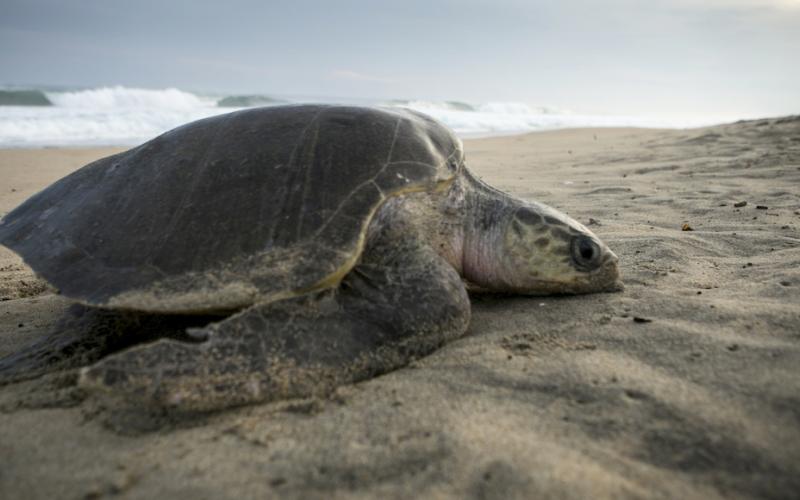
(685, 385)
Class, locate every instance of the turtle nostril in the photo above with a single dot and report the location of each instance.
(610, 259)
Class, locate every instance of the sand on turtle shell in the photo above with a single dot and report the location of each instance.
(685, 385)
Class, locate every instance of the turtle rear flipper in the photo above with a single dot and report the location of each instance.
(402, 301)
(84, 335)
(80, 337)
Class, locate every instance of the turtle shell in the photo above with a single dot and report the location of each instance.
(231, 210)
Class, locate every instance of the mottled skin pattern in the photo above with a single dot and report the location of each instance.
(333, 281)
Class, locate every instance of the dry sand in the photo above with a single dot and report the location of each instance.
(544, 398)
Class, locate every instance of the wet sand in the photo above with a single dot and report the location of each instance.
(685, 385)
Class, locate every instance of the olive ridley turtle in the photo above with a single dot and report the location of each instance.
(338, 242)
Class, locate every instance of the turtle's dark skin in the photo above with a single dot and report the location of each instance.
(332, 242)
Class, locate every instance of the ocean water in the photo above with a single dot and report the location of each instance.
(41, 117)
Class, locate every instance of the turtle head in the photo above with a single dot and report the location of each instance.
(545, 251)
(536, 250)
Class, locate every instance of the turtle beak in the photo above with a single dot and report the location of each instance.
(617, 286)
(610, 268)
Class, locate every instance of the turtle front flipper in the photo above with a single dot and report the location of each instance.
(401, 302)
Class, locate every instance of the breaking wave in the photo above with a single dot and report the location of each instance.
(23, 98)
(126, 98)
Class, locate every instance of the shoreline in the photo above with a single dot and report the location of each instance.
(467, 136)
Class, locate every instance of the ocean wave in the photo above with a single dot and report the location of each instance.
(420, 105)
(487, 118)
(126, 97)
(515, 108)
(127, 116)
(24, 98)
(248, 101)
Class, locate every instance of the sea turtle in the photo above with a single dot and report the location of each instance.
(337, 241)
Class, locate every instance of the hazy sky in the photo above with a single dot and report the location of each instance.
(734, 57)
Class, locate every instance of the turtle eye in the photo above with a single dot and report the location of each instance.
(585, 253)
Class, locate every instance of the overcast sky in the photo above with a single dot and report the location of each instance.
(734, 57)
